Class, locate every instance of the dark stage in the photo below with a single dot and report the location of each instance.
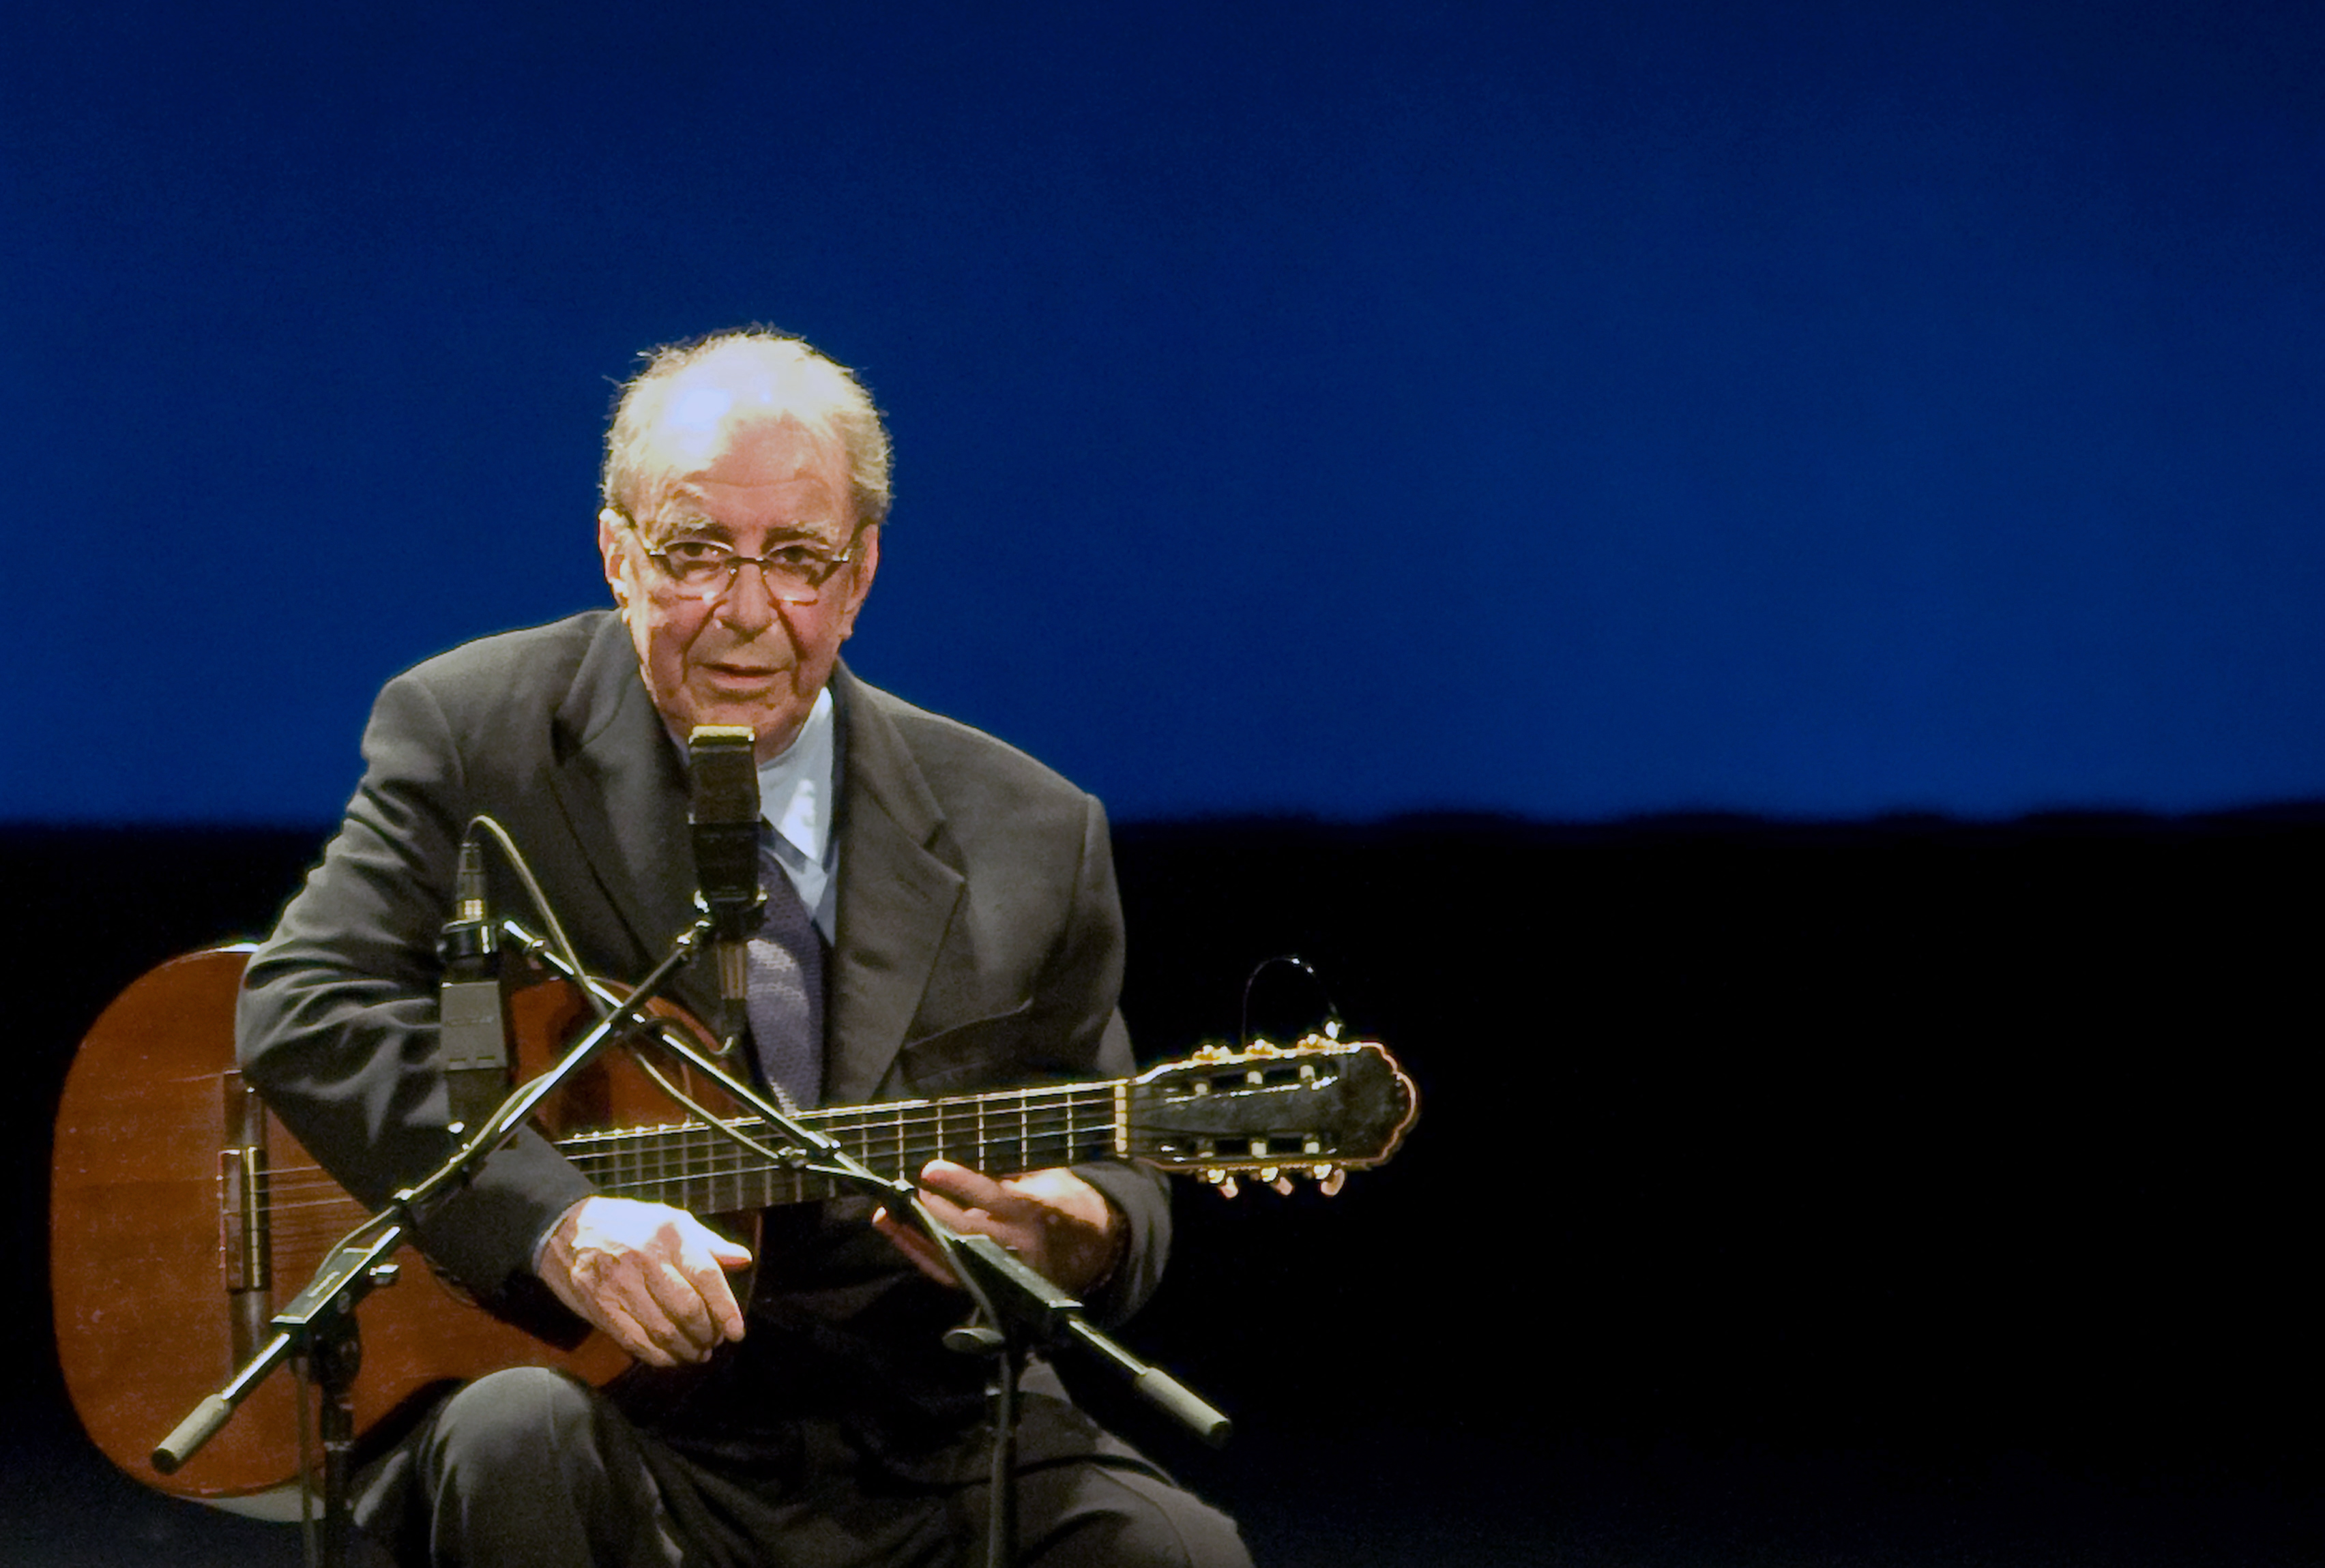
(1909, 1192)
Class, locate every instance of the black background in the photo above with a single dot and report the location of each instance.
(1903, 1191)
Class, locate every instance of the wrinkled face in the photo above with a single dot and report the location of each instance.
(754, 483)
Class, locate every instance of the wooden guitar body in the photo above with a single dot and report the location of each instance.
(183, 1213)
(160, 1292)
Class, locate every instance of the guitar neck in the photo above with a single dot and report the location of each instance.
(701, 1169)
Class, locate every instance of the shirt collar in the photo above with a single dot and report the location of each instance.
(795, 789)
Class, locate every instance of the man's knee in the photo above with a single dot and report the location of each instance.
(526, 1468)
(1126, 1518)
(520, 1424)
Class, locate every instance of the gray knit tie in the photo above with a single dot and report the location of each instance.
(786, 1000)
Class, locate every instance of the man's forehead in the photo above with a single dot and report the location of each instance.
(695, 415)
(696, 419)
(700, 426)
(691, 489)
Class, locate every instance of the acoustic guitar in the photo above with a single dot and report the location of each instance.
(181, 1209)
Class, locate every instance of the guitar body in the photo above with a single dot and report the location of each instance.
(145, 1243)
(183, 1214)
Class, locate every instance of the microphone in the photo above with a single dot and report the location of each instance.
(472, 1030)
(725, 816)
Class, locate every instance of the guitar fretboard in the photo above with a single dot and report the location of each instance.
(700, 1169)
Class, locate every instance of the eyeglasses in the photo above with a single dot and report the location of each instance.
(704, 569)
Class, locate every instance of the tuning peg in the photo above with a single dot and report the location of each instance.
(1268, 1172)
(1283, 1186)
(1227, 1185)
(1330, 1179)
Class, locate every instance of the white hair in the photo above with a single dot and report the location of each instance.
(782, 371)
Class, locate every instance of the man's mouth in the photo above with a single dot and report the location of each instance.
(742, 674)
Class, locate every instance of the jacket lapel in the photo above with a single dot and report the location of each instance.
(896, 895)
(623, 790)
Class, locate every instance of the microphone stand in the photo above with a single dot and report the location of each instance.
(1016, 1308)
(317, 1326)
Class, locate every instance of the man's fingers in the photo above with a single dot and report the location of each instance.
(654, 1278)
(968, 1188)
(1060, 1225)
(706, 1267)
(642, 1304)
(626, 1332)
(673, 1311)
(725, 1313)
(951, 1214)
(687, 1306)
(907, 1239)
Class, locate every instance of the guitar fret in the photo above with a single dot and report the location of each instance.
(703, 1161)
(1214, 1111)
(700, 1168)
(1000, 1132)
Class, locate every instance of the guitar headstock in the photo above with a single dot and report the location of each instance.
(1319, 1107)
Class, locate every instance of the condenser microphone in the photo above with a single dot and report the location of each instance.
(725, 815)
(472, 1027)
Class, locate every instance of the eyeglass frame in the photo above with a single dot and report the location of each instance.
(737, 559)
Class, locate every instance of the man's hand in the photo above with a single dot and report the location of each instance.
(650, 1276)
(1060, 1225)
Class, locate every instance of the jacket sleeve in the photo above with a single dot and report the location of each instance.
(337, 1023)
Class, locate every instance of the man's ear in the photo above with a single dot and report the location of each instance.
(615, 557)
(866, 562)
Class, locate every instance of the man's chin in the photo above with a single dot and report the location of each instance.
(775, 727)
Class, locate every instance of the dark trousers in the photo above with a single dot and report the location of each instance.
(528, 1467)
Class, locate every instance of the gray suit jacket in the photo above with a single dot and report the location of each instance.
(980, 943)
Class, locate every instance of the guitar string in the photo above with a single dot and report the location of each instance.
(900, 1136)
(1040, 1116)
(1036, 1112)
(289, 1233)
(917, 1129)
(692, 1173)
(1041, 1122)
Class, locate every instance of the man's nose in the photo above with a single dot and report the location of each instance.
(749, 605)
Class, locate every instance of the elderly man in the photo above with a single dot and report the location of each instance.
(941, 917)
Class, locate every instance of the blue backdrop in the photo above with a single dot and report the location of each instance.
(1816, 408)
